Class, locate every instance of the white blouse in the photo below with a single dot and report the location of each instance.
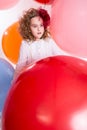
(31, 52)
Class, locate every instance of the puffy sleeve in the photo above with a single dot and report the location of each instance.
(22, 59)
(55, 49)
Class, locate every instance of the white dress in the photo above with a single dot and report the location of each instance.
(31, 52)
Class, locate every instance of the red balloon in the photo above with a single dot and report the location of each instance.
(45, 1)
(50, 95)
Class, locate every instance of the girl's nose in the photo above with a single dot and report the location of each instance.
(38, 28)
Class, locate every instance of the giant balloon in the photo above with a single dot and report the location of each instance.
(69, 26)
(6, 4)
(49, 95)
(6, 76)
(11, 41)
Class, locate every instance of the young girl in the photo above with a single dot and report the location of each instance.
(37, 43)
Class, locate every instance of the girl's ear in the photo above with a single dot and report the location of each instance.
(48, 28)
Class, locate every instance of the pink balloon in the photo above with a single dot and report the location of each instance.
(69, 25)
(5, 4)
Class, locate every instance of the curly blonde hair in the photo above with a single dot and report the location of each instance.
(24, 23)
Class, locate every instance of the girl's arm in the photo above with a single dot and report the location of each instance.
(22, 60)
(55, 49)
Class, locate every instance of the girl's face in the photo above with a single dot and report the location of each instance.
(37, 27)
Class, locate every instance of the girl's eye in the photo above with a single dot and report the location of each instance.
(34, 26)
(41, 25)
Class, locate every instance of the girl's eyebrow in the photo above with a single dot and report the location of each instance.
(33, 23)
(36, 24)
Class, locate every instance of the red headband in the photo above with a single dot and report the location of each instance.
(45, 16)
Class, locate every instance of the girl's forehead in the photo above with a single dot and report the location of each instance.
(36, 19)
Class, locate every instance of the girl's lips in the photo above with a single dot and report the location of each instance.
(39, 33)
